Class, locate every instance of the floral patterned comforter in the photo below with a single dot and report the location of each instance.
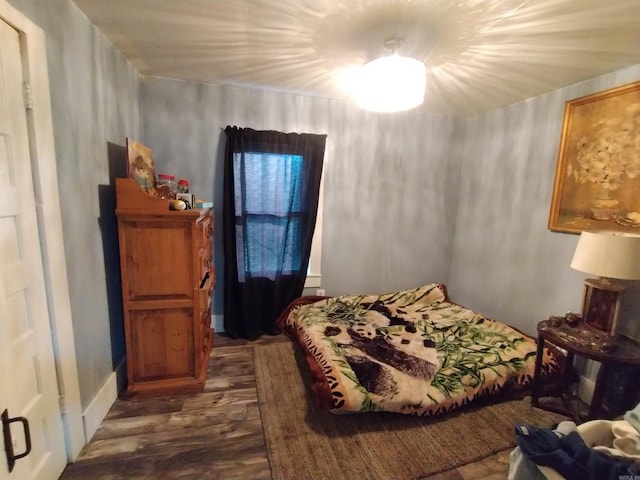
(410, 352)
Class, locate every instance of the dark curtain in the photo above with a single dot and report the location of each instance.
(271, 188)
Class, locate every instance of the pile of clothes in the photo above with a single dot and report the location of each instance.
(598, 450)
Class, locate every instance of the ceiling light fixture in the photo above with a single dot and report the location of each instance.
(392, 83)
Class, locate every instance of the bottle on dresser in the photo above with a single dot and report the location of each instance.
(166, 186)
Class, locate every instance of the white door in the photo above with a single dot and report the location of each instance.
(28, 384)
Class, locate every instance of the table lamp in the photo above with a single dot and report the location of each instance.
(612, 256)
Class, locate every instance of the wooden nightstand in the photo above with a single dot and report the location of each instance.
(589, 343)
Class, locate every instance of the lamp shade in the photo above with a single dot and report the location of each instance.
(608, 254)
(391, 84)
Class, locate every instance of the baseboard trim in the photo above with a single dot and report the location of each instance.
(218, 323)
(99, 407)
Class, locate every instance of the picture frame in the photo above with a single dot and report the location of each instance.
(140, 166)
(187, 198)
(598, 168)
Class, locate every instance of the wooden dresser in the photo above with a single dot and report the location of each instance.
(167, 283)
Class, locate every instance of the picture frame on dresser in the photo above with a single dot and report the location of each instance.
(141, 167)
(186, 198)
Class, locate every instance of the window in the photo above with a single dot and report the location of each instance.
(272, 188)
(270, 203)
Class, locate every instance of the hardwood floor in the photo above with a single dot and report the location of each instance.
(216, 434)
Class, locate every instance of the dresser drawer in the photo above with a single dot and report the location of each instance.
(205, 291)
(205, 230)
(205, 257)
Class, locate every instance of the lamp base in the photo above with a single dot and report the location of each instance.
(601, 304)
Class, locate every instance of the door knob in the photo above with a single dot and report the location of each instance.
(8, 441)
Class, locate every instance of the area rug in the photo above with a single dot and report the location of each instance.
(304, 442)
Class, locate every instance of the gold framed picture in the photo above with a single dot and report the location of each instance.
(140, 166)
(597, 180)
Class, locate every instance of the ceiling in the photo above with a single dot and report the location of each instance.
(480, 54)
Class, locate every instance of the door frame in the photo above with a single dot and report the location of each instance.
(45, 183)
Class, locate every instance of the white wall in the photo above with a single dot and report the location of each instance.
(506, 263)
(391, 181)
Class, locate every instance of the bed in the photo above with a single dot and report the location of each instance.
(410, 351)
